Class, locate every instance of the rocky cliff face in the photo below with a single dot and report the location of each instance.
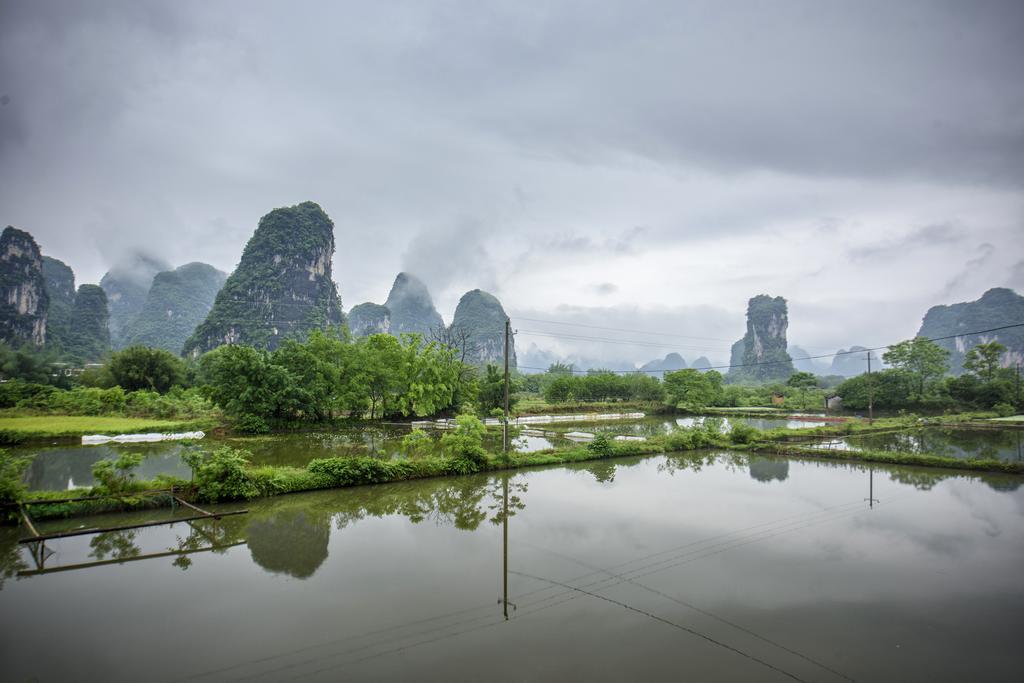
(283, 286)
(669, 363)
(478, 327)
(369, 318)
(177, 303)
(996, 307)
(412, 308)
(762, 351)
(60, 286)
(127, 285)
(90, 320)
(24, 301)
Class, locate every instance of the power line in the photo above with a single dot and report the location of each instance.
(623, 342)
(792, 360)
(619, 329)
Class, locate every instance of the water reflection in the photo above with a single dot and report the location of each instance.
(769, 469)
(625, 576)
(292, 542)
(983, 444)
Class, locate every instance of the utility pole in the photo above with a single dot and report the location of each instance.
(508, 333)
(871, 402)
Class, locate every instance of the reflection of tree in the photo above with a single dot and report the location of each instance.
(292, 541)
(11, 558)
(515, 501)
(114, 545)
(768, 469)
(920, 479)
(602, 470)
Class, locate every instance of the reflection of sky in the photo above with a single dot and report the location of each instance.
(798, 557)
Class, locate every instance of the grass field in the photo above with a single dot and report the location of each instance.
(43, 426)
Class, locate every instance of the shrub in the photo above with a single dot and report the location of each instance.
(222, 475)
(743, 433)
(1004, 409)
(116, 476)
(12, 469)
(601, 446)
(415, 441)
(466, 441)
(253, 424)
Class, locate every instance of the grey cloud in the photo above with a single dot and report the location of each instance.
(555, 127)
(940, 234)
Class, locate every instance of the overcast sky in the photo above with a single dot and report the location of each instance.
(644, 165)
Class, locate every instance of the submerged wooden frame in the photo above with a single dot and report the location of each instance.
(38, 540)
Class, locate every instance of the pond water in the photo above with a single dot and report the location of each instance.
(61, 467)
(708, 566)
(998, 444)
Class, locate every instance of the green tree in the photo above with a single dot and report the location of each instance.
(802, 380)
(983, 360)
(920, 359)
(140, 367)
(244, 383)
(491, 391)
(692, 390)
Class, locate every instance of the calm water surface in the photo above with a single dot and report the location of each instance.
(699, 567)
(998, 444)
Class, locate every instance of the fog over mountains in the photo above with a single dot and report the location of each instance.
(646, 167)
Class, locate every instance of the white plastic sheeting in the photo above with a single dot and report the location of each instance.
(97, 439)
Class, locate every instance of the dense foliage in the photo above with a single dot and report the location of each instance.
(90, 320)
(918, 380)
(283, 287)
(603, 385)
(141, 367)
(480, 321)
(375, 376)
(60, 286)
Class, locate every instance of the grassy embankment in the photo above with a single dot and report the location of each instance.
(238, 481)
(19, 428)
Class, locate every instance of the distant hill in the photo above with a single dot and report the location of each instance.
(24, 301)
(669, 363)
(996, 307)
(853, 361)
(761, 354)
(702, 363)
(90, 318)
(127, 285)
(60, 286)
(178, 301)
(412, 308)
(369, 318)
(283, 286)
(798, 354)
(480, 320)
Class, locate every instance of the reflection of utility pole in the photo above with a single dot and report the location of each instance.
(504, 439)
(504, 538)
(871, 402)
(871, 489)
